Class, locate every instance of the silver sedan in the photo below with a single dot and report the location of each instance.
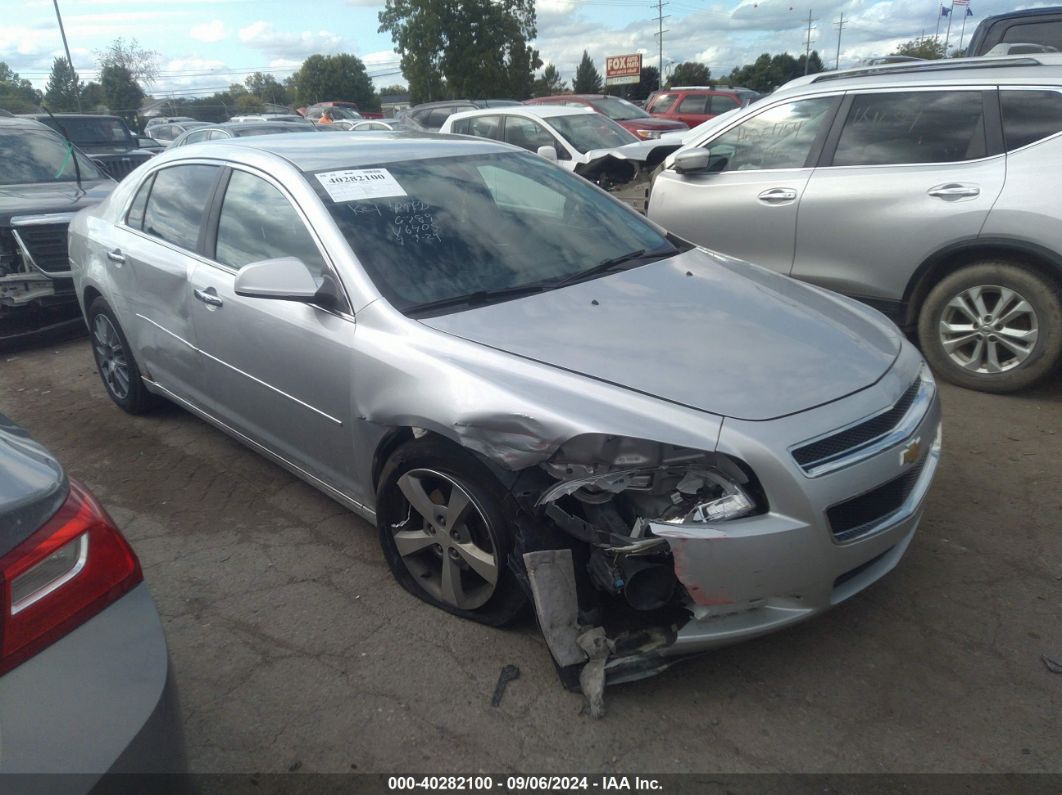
(538, 396)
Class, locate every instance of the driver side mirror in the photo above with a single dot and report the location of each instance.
(548, 152)
(286, 279)
(692, 161)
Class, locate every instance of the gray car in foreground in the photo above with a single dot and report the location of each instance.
(924, 189)
(85, 680)
(536, 394)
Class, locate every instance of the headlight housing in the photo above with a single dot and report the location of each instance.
(648, 134)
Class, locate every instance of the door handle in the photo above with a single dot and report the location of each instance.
(777, 196)
(116, 256)
(953, 191)
(208, 296)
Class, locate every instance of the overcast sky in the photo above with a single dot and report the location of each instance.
(207, 44)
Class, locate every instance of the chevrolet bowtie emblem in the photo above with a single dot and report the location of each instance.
(910, 452)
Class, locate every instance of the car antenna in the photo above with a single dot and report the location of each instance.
(73, 153)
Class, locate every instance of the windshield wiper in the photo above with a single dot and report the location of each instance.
(610, 264)
(478, 298)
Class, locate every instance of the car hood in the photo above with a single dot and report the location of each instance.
(651, 152)
(51, 197)
(704, 331)
(32, 488)
(652, 123)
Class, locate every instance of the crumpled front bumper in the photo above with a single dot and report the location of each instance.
(748, 577)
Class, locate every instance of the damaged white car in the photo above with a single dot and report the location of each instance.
(538, 396)
(578, 139)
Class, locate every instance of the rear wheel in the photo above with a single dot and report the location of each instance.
(993, 326)
(445, 530)
(115, 362)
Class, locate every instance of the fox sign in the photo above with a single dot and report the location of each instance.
(621, 69)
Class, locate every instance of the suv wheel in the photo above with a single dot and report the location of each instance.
(993, 326)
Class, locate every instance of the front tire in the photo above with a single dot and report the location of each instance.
(445, 527)
(993, 326)
(115, 362)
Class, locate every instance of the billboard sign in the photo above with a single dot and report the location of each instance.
(623, 69)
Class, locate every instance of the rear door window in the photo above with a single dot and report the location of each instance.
(721, 103)
(1030, 116)
(135, 217)
(912, 127)
(693, 103)
(663, 103)
(178, 203)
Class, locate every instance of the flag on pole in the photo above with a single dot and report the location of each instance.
(961, 3)
(945, 11)
(969, 11)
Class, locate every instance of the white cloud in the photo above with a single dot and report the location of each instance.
(262, 36)
(209, 31)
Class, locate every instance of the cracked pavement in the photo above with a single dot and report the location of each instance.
(291, 642)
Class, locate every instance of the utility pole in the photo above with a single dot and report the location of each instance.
(807, 48)
(660, 40)
(840, 28)
(58, 16)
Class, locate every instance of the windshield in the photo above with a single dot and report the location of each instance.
(432, 230)
(619, 109)
(587, 131)
(90, 130)
(31, 156)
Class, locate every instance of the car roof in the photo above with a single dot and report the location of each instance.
(344, 149)
(544, 111)
(1039, 68)
(23, 123)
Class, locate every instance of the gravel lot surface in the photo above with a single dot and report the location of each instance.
(292, 643)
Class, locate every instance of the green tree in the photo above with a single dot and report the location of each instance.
(549, 83)
(929, 47)
(395, 90)
(267, 88)
(17, 95)
(121, 92)
(64, 87)
(690, 73)
(768, 72)
(464, 48)
(249, 103)
(92, 97)
(587, 78)
(322, 78)
(142, 65)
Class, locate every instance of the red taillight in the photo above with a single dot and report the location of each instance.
(61, 576)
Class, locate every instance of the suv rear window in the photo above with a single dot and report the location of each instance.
(912, 127)
(1029, 116)
(663, 103)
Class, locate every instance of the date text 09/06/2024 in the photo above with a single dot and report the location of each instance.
(487, 783)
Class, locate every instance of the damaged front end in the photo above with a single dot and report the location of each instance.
(600, 566)
(36, 290)
(627, 172)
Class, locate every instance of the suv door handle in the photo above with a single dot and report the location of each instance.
(953, 191)
(116, 256)
(777, 196)
(208, 296)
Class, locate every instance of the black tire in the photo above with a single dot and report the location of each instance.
(106, 350)
(431, 462)
(1019, 369)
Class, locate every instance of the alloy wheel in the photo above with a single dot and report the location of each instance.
(445, 540)
(988, 329)
(110, 356)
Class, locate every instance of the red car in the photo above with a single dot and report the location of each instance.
(339, 103)
(695, 105)
(624, 113)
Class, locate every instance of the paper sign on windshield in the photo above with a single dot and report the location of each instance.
(360, 183)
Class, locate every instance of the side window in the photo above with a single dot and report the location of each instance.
(527, 134)
(135, 216)
(780, 137)
(721, 103)
(693, 103)
(438, 117)
(258, 222)
(461, 127)
(912, 127)
(1029, 116)
(510, 189)
(485, 127)
(196, 137)
(663, 103)
(178, 203)
(217, 135)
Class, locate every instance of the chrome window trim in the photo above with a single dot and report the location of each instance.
(898, 433)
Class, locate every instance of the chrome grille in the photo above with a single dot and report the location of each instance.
(120, 166)
(44, 244)
(843, 443)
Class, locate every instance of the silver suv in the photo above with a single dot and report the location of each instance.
(925, 190)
